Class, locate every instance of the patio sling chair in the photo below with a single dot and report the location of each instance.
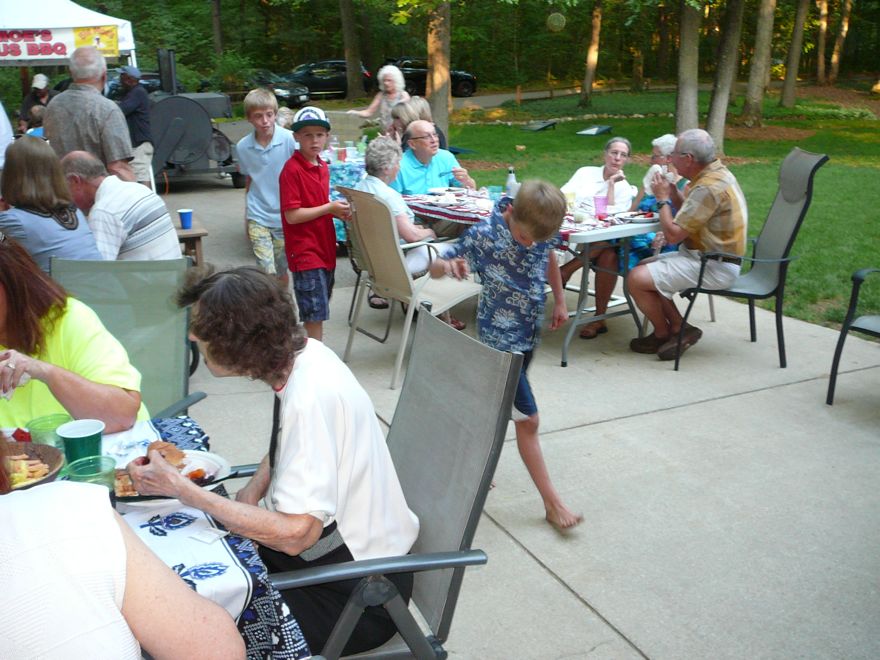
(374, 229)
(770, 253)
(135, 302)
(445, 469)
(868, 324)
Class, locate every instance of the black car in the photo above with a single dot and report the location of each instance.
(327, 77)
(288, 93)
(415, 73)
(149, 79)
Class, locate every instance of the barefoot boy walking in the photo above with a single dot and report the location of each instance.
(513, 252)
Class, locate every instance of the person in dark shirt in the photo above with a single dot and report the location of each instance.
(40, 94)
(135, 105)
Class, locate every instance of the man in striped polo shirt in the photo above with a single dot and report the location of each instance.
(713, 218)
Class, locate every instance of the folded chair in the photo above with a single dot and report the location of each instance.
(374, 229)
(135, 302)
(867, 324)
(445, 468)
(770, 253)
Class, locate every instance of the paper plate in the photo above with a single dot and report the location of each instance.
(213, 464)
(49, 455)
(636, 216)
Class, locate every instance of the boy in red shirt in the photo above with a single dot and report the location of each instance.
(309, 237)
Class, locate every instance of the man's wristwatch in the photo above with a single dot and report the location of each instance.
(663, 202)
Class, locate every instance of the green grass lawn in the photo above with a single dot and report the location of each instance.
(840, 234)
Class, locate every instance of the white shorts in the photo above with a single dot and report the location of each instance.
(676, 271)
(142, 162)
(418, 259)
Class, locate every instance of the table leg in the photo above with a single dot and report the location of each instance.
(632, 307)
(198, 251)
(584, 292)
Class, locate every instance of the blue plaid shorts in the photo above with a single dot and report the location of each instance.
(313, 289)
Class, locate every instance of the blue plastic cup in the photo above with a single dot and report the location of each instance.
(186, 218)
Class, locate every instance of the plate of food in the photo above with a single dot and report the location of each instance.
(445, 200)
(203, 468)
(30, 464)
(638, 216)
(442, 191)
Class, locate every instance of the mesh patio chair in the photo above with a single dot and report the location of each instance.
(445, 470)
(135, 302)
(387, 275)
(868, 324)
(772, 249)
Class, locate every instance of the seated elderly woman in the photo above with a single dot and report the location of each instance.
(55, 354)
(587, 183)
(327, 475)
(100, 591)
(42, 218)
(392, 90)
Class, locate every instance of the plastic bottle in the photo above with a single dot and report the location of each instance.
(511, 186)
(362, 145)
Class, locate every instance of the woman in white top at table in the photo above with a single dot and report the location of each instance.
(587, 183)
(330, 476)
(392, 90)
(79, 583)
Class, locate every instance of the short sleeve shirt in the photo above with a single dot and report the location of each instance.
(44, 237)
(81, 119)
(714, 212)
(514, 279)
(263, 165)
(332, 461)
(80, 343)
(416, 178)
(387, 194)
(311, 244)
(587, 182)
(135, 105)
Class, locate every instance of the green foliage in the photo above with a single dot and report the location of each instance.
(231, 71)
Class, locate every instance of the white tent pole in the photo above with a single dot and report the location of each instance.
(132, 58)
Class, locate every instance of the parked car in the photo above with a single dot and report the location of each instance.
(288, 93)
(415, 73)
(326, 77)
(149, 79)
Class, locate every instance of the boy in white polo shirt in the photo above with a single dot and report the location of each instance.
(261, 157)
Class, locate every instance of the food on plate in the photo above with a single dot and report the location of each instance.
(123, 486)
(169, 452)
(20, 435)
(177, 458)
(23, 469)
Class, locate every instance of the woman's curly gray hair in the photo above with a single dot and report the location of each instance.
(383, 153)
(396, 75)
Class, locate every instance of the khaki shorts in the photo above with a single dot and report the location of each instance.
(676, 271)
(268, 246)
(142, 162)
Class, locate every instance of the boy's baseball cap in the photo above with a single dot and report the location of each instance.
(40, 81)
(309, 116)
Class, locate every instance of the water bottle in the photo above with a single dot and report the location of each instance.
(511, 186)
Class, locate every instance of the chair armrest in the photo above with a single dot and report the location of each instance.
(705, 256)
(247, 470)
(178, 408)
(351, 570)
(860, 275)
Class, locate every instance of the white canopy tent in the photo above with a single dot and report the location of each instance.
(46, 32)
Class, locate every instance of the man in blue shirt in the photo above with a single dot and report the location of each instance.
(425, 165)
(135, 105)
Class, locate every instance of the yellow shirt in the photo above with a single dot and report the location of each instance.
(714, 212)
(80, 343)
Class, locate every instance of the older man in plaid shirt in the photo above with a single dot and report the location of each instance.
(713, 218)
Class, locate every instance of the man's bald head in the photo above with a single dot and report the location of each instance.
(85, 173)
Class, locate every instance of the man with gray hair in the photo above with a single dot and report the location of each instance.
(80, 118)
(712, 219)
(129, 221)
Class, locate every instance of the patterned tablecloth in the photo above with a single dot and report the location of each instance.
(348, 174)
(227, 570)
(460, 208)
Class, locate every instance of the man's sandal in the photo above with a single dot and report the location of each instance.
(593, 330)
(377, 302)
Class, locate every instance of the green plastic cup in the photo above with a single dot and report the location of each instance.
(43, 430)
(94, 470)
(82, 438)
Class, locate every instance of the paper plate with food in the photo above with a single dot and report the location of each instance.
(638, 216)
(203, 468)
(30, 464)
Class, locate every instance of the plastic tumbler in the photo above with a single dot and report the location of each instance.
(94, 470)
(341, 154)
(43, 429)
(82, 438)
(186, 218)
(600, 204)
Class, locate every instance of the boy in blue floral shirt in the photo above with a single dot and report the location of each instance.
(513, 253)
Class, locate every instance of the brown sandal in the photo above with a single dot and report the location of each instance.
(593, 330)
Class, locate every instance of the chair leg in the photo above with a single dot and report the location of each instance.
(358, 306)
(835, 363)
(398, 361)
(754, 333)
(780, 337)
(684, 319)
(711, 308)
(357, 283)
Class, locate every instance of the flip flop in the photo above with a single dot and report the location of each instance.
(593, 330)
(377, 302)
(456, 323)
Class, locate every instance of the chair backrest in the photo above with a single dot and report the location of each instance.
(790, 206)
(445, 440)
(374, 228)
(135, 302)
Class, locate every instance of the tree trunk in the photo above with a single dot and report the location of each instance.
(725, 72)
(437, 86)
(686, 113)
(753, 105)
(351, 46)
(837, 54)
(638, 69)
(592, 57)
(218, 32)
(821, 46)
(792, 63)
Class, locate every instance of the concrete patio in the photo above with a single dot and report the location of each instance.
(729, 513)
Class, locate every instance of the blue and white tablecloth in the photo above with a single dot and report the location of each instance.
(348, 174)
